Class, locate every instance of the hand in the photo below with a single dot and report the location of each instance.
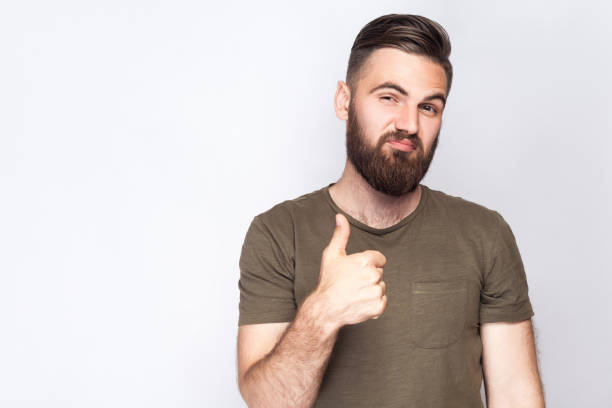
(350, 287)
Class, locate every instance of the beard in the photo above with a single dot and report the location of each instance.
(396, 174)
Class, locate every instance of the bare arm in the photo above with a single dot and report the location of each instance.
(290, 375)
(510, 365)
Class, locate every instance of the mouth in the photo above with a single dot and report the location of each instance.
(402, 144)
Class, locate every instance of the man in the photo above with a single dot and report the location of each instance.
(319, 326)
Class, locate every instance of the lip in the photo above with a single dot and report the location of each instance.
(404, 145)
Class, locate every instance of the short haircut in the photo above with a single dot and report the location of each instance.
(407, 32)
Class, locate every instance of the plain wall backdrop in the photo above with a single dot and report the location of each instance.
(138, 139)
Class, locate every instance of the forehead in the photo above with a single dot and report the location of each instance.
(412, 71)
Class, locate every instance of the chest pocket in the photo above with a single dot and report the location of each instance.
(438, 313)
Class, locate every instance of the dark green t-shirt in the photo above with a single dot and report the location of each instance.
(451, 265)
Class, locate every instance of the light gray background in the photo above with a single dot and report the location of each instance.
(139, 138)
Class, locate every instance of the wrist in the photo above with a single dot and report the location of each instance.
(314, 314)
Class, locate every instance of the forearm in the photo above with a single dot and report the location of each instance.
(290, 375)
(521, 394)
(524, 401)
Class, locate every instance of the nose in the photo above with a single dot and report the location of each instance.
(408, 119)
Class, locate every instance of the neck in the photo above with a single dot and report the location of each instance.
(356, 197)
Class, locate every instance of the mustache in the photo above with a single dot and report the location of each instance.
(401, 135)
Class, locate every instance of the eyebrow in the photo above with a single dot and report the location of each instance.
(393, 85)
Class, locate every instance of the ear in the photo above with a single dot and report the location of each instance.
(342, 100)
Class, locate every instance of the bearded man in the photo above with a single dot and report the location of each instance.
(376, 290)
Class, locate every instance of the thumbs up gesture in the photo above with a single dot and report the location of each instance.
(350, 287)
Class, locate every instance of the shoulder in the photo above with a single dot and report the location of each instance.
(281, 218)
(465, 214)
(468, 224)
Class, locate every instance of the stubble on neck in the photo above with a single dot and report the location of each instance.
(356, 197)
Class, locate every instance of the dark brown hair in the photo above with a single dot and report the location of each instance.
(407, 32)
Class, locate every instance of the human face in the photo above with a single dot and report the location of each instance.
(399, 97)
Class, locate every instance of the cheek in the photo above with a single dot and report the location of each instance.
(427, 137)
(429, 130)
(376, 121)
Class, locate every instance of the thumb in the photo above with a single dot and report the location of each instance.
(339, 239)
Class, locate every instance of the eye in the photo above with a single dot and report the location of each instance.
(430, 108)
(387, 98)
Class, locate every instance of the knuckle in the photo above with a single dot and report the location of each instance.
(364, 259)
(369, 254)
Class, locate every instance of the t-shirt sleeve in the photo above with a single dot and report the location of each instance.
(504, 295)
(266, 278)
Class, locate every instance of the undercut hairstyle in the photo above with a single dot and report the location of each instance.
(407, 32)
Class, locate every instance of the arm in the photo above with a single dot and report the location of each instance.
(510, 366)
(290, 374)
